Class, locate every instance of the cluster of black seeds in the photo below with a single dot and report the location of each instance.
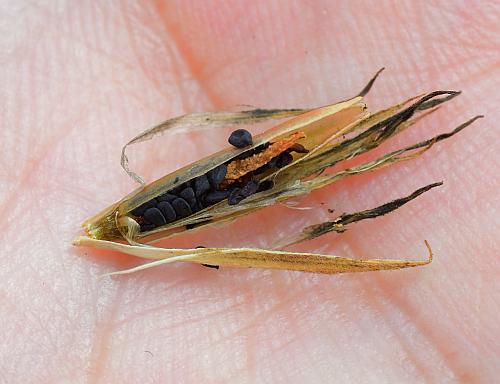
(193, 196)
(203, 191)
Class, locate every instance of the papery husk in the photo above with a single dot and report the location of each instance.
(275, 259)
(250, 258)
(333, 133)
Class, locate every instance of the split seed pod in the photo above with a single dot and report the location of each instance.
(285, 162)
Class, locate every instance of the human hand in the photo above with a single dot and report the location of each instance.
(81, 79)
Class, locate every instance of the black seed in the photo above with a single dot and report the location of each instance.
(284, 159)
(299, 148)
(201, 185)
(154, 215)
(178, 189)
(188, 195)
(199, 205)
(272, 162)
(249, 189)
(166, 197)
(145, 227)
(265, 185)
(216, 196)
(216, 175)
(235, 196)
(181, 207)
(139, 211)
(262, 169)
(240, 138)
(167, 210)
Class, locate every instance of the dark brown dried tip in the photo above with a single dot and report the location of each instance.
(368, 86)
(338, 224)
(432, 103)
(240, 138)
(387, 127)
(385, 208)
(444, 136)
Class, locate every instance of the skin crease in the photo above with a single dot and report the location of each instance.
(81, 79)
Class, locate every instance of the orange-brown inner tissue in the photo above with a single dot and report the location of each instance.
(240, 167)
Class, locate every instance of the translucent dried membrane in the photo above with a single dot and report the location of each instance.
(325, 136)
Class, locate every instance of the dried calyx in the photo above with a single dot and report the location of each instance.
(283, 163)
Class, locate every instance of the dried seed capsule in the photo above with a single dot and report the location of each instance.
(154, 215)
(188, 195)
(216, 175)
(139, 211)
(216, 196)
(284, 159)
(167, 210)
(250, 188)
(166, 197)
(235, 196)
(265, 185)
(240, 138)
(201, 185)
(181, 207)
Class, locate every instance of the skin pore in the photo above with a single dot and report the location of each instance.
(80, 80)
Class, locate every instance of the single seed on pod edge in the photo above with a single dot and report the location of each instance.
(154, 215)
(240, 138)
(167, 210)
(182, 208)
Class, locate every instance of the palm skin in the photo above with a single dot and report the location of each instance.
(80, 80)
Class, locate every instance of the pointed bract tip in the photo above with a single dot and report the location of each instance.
(431, 255)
